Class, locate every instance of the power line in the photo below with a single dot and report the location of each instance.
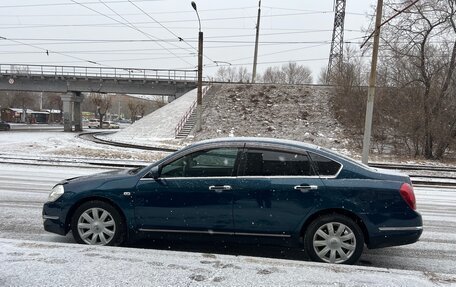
(247, 43)
(67, 4)
(220, 63)
(103, 52)
(279, 52)
(133, 50)
(130, 26)
(125, 14)
(48, 51)
(167, 29)
(166, 21)
(109, 25)
(316, 11)
(208, 41)
(173, 39)
(287, 50)
(265, 63)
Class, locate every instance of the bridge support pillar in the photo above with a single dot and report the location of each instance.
(72, 111)
(67, 112)
(77, 112)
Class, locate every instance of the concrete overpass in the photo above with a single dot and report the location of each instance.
(72, 81)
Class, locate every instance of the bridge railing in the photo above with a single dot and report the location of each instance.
(97, 72)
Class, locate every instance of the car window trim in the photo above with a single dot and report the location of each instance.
(179, 154)
(279, 176)
(194, 177)
(326, 176)
(279, 148)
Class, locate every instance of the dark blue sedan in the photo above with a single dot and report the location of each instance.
(247, 190)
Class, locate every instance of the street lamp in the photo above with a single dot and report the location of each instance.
(221, 62)
(199, 94)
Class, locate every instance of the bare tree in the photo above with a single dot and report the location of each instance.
(274, 75)
(297, 74)
(231, 74)
(53, 102)
(24, 101)
(141, 108)
(421, 49)
(7, 99)
(226, 74)
(243, 76)
(323, 76)
(103, 103)
(290, 73)
(349, 96)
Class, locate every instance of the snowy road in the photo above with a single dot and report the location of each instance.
(24, 189)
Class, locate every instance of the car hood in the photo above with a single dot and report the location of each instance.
(104, 176)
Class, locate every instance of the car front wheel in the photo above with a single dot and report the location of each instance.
(98, 223)
(334, 239)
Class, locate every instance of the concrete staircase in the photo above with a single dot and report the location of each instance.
(188, 126)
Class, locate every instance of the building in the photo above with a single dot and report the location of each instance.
(15, 115)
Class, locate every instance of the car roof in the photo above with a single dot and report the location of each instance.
(259, 140)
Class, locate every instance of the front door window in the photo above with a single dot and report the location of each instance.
(207, 163)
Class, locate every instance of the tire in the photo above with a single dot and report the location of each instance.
(325, 241)
(98, 223)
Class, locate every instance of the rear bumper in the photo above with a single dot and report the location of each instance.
(394, 236)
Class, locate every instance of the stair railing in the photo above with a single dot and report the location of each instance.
(187, 114)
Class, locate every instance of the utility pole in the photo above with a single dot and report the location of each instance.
(255, 55)
(199, 91)
(199, 95)
(372, 84)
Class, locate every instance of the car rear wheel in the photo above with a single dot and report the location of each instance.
(98, 223)
(334, 239)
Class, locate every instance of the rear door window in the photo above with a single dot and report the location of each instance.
(325, 166)
(263, 162)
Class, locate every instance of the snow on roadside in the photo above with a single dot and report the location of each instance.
(157, 126)
(31, 263)
(58, 144)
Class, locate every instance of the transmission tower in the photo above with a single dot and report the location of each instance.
(337, 42)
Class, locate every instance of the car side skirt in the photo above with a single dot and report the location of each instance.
(214, 232)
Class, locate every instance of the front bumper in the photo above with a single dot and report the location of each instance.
(53, 219)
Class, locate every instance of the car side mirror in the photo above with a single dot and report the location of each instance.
(155, 172)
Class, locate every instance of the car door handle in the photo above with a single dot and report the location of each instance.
(306, 188)
(220, 187)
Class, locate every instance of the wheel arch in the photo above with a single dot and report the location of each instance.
(339, 211)
(75, 206)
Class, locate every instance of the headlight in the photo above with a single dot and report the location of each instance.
(56, 192)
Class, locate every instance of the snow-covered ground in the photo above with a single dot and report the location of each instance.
(29, 256)
(31, 263)
(57, 144)
(157, 126)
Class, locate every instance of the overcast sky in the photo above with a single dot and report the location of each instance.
(144, 34)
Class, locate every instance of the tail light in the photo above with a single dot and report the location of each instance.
(408, 195)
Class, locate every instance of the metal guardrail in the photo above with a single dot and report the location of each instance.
(97, 72)
(187, 114)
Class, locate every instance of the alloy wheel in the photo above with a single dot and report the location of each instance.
(334, 242)
(96, 226)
